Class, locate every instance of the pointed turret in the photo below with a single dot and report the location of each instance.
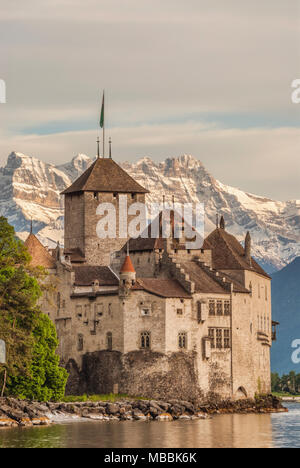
(222, 223)
(127, 273)
(248, 247)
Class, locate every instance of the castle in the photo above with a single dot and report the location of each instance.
(147, 316)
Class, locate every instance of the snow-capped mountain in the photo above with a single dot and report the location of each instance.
(30, 188)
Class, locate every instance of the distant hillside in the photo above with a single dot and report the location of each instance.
(286, 310)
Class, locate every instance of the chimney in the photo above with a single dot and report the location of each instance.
(248, 248)
(222, 223)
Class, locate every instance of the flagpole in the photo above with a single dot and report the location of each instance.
(104, 124)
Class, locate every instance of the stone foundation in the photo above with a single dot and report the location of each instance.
(138, 373)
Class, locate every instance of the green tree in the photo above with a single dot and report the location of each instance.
(19, 292)
(275, 382)
(22, 326)
(47, 380)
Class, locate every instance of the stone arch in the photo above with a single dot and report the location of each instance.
(241, 393)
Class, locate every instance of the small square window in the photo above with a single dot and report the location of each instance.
(179, 312)
(145, 312)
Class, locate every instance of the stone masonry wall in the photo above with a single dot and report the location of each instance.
(138, 373)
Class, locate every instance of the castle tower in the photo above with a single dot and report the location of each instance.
(127, 272)
(127, 278)
(103, 182)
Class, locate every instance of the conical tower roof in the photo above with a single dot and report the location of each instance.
(105, 175)
(39, 254)
(127, 266)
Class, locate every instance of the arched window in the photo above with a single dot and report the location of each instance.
(182, 340)
(109, 341)
(145, 340)
(80, 342)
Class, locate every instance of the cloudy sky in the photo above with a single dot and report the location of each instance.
(210, 78)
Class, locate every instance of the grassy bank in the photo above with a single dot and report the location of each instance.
(106, 397)
(285, 394)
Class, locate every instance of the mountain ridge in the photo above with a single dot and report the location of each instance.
(30, 189)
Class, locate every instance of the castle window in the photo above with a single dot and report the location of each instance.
(212, 307)
(79, 311)
(99, 309)
(133, 196)
(226, 307)
(182, 340)
(179, 312)
(226, 338)
(211, 334)
(219, 341)
(250, 289)
(266, 292)
(219, 308)
(199, 311)
(220, 338)
(259, 291)
(109, 341)
(80, 342)
(58, 300)
(95, 195)
(115, 195)
(145, 340)
(145, 312)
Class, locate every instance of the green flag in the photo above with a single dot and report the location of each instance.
(102, 113)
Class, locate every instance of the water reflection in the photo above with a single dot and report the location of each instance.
(265, 431)
(221, 431)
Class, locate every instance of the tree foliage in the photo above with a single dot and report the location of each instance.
(288, 383)
(21, 321)
(47, 380)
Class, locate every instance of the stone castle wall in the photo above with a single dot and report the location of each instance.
(140, 373)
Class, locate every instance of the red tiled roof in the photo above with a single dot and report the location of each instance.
(85, 275)
(75, 255)
(39, 254)
(105, 175)
(205, 282)
(127, 266)
(162, 287)
(229, 254)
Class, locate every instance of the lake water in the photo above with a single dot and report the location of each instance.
(265, 431)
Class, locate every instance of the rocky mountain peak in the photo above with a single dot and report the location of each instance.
(30, 188)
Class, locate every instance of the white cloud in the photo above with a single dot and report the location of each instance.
(259, 160)
(161, 62)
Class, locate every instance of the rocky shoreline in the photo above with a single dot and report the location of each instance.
(24, 413)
